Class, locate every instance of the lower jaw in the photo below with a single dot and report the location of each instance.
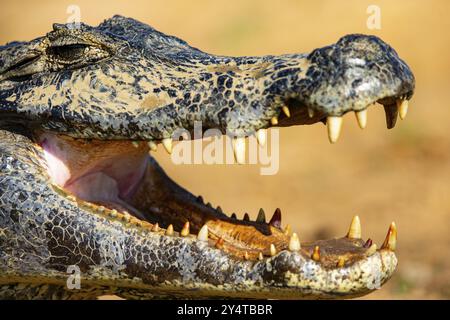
(121, 176)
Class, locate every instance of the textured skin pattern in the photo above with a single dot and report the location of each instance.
(137, 83)
(151, 84)
(43, 232)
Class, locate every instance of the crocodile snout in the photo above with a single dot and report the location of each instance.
(357, 71)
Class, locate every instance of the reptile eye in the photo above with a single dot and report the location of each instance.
(68, 52)
(76, 55)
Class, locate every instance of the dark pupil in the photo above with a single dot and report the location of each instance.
(68, 52)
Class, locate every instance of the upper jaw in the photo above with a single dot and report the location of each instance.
(347, 76)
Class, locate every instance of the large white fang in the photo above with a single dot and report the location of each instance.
(361, 117)
(334, 125)
(261, 136)
(294, 243)
(354, 231)
(167, 143)
(239, 150)
(203, 233)
(402, 108)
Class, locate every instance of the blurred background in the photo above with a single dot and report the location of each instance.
(382, 175)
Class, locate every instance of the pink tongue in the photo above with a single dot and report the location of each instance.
(100, 171)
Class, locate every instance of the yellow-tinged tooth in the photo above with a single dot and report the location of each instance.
(167, 143)
(169, 230)
(341, 262)
(294, 243)
(246, 257)
(286, 111)
(152, 145)
(391, 238)
(185, 231)
(261, 136)
(260, 256)
(273, 250)
(203, 233)
(402, 108)
(155, 227)
(274, 121)
(361, 117)
(310, 112)
(354, 231)
(239, 150)
(372, 249)
(287, 230)
(334, 125)
(316, 254)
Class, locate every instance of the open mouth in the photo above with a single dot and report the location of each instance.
(118, 179)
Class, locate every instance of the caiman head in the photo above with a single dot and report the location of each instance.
(93, 101)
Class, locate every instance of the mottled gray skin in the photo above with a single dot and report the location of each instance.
(125, 80)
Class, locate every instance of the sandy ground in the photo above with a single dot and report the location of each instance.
(401, 174)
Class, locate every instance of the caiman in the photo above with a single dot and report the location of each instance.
(82, 108)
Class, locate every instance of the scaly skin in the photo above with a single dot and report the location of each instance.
(125, 81)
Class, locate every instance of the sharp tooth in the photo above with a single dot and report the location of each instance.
(185, 231)
(261, 136)
(372, 249)
(276, 219)
(261, 216)
(153, 147)
(391, 115)
(246, 257)
(219, 209)
(316, 254)
(286, 111)
(334, 125)
(272, 249)
(233, 216)
(260, 256)
(246, 217)
(155, 227)
(169, 230)
(287, 230)
(402, 108)
(354, 232)
(294, 243)
(310, 112)
(203, 233)
(200, 199)
(239, 150)
(361, 117)
(135, 144)
(341, 262)
(391, 238)
(274, 121)
(167, 143)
